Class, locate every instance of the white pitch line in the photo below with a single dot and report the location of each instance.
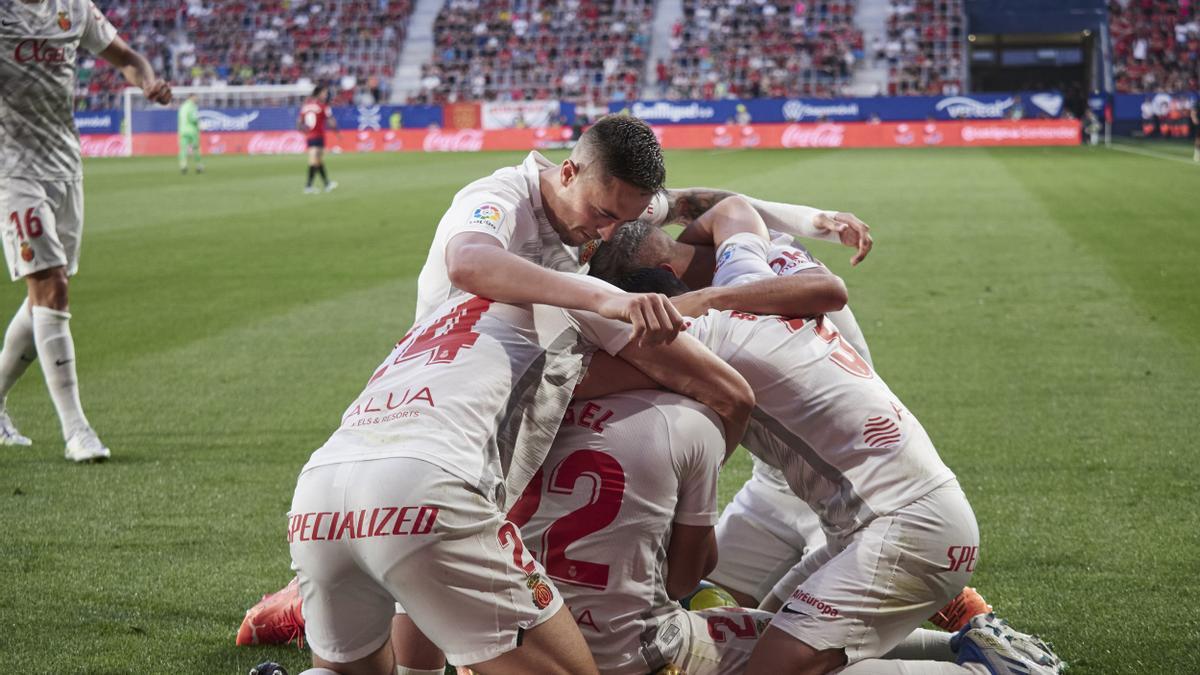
(1151, 153)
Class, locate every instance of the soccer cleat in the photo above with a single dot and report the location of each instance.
(85, 446)
(8, 431)
(959, 611)
(331, 186)
(310, 190)
(992, 643)
(275, 620)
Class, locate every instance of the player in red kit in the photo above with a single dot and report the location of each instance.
(315, 115)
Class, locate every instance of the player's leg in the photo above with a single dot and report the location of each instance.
(199, 154)
(21, 201)
(184, 142)
(552, 647)
(329, 185)
(314, 159)
(414, 653)
(864, 593)
(47, 251)
(378, 663)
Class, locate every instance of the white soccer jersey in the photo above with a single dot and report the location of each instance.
(508, 206)
(38, 45)
(845, 443)
(622, 470)
(478, 389)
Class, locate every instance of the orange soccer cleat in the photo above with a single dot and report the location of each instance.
(275, 620)
(958, 612)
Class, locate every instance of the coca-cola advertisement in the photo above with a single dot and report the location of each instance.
(814, 136)
(94, 145)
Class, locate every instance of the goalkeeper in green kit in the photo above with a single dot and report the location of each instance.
(189, 134)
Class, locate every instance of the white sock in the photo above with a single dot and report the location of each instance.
(319, 671)
(924, 645)
(52, 333)
(19, 350)
(401, 670)
(880, 667)
(1196, 154)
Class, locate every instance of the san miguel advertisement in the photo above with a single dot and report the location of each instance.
(952, 133)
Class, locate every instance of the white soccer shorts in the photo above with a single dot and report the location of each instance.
(762, 534)
(715, 641)
(865, 592)
(43, 224)
(367, 535)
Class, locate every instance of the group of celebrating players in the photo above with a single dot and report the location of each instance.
(528, 481)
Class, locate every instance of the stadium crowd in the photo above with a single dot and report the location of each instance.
(502, 50)
(354, 43)
(759, 48)
(1156, 45)
(923, 47)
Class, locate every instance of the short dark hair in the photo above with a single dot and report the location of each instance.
(653, 280)
(626, 148)
(625, 252)
(319, 90)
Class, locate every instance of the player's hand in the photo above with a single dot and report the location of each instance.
(852, 231)
(158, 91)
(655, 320)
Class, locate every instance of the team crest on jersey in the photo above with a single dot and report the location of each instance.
(26, 252)
(64, 21)
(588, 250)
(487, 215)
(543, 594)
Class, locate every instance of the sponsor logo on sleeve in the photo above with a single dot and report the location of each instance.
(726, 255)
(486, 215)
(64, 21)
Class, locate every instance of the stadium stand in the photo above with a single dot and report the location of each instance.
(924, 47)
(353, 43)
(504, 50)
(756, 48)
(1156, 45)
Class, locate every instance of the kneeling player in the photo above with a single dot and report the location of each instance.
(893, 511)
(405, 501)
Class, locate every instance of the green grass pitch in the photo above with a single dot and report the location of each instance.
(1036, 308)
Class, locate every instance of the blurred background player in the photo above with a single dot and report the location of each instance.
(41, 192)
(315, 116)
(1196, 128)
(189, 134)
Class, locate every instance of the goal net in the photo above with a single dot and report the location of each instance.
(222, 108)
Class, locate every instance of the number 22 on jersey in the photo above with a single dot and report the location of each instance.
(600, 478)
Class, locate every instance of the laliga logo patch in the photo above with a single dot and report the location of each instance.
(64, 21)
(488, 215)
(588, 250)
(543, 595)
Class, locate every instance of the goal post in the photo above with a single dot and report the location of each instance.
(211, 97)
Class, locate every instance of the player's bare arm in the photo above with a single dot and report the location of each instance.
(691, 556)
(478, 264)
(807, 293)
(136, 70)
(686, 205)
(688, 368)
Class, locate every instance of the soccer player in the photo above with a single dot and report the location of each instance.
(315, 116)
(41, 192)
(505, 236)
(405, 501)
(902, 537)
(189, 134)
(1195, 115)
